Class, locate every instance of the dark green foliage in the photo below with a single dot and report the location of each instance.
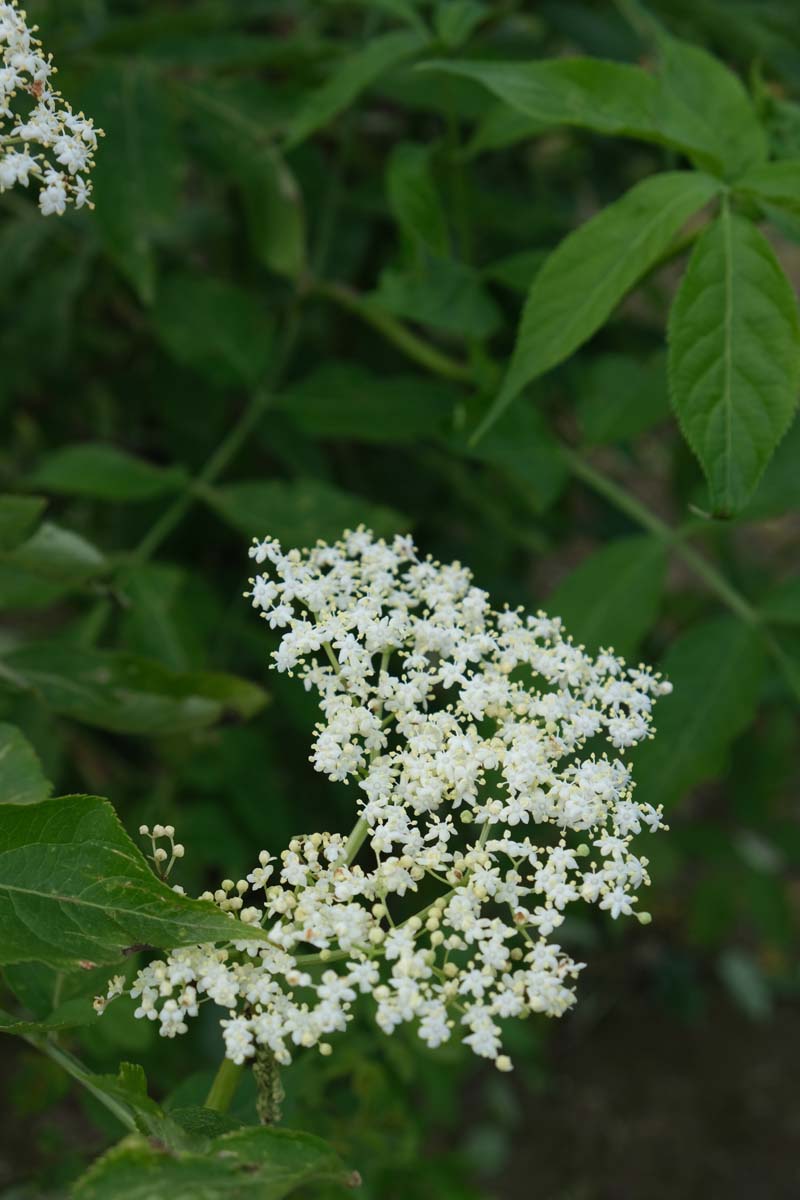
(411, 263)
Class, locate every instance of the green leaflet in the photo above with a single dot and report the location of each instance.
(22, 780)
(671, 108)
(127, 694)
(734, 401)
(139, 167)
(612, 598)
(591, 270)
(244, 1164)
(18, 515)
(351, 77)
(715, 669)
(75, 890)
(413, 197)
(773, 183)
(70, 1015)
(103, 472)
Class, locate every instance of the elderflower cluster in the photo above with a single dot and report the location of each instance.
(486, 808)
(43, 138)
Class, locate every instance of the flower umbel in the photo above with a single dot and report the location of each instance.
(40, 136)
(484, 800)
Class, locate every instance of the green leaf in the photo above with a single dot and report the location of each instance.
(621, 100)
(441, 293)
(57, 554)
(413, 197)
(715, 669)
(588, 274)
(149, 624)
(352, 76)
(455, 20)
(70, 1015)
(775, 183)
(216, 328)
(612, 598)
(242, 146)
(709, 108)
(345, 400)
(620, 397)
(734, 401)
(74, 890)
(245, 1164)
(139, 166)
(500, 127)
(127, 694)
(300, 512)
(22, 780)
(103, 472)
(18, 515)
(778, 492)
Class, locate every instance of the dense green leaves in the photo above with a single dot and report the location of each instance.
(217, 328)
(22, 780)
(350, 77)
(127, 694)
(300, 512)
(75, 890)
(245, 1164)
(612, 598)
(715, 670)
(104, 473)
(734, 402)
(591, 270)
(18, 515)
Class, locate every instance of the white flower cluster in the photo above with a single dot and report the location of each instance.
(471, 737)
(47, 140)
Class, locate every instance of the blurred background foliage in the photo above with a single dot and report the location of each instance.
(285, 315)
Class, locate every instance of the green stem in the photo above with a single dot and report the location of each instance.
(395, 332)
(355, 841)
(74, 1068)
(223, 1089)
(622, 500)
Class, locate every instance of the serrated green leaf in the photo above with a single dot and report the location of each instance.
(778, 490)
(103, 472)
(413, 198)
(127, 694)
(57, 555)
(734, 401)
(611, 599)
(441, 293)
(18, 515)
(139, 167)
(345, 400)
(350, 77)
(715, 669)
(622, 100)
(75, 890)
(773, 183)
(22, 780)
(214, 327)
(588, 274)
(709, 107)
(245, 1164)
(300, 512)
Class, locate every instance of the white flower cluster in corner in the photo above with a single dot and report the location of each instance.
(43, 139)
(469, 737)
